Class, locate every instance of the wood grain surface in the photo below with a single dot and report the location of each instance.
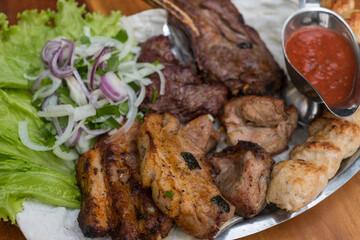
(337, 217)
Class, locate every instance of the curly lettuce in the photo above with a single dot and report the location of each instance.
(23, 172)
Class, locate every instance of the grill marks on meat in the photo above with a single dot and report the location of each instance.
(242, 173)
(173, 166)
(114, 201)
(226, 50)
(260, 119)
(185, 96)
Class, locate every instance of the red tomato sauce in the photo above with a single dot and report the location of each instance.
(325, 59)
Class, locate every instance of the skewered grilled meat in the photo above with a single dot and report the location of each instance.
(242, 172)
(185, 96)
(114, 201)
(226, 50)
(173, 166)
(262, 120)
(295, 183)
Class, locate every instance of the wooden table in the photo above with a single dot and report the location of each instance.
(337, 217)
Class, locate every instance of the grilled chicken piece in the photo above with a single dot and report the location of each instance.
(343, 134)
(242, 174)
(173, 166)
(185, 96)
(114, 201)
(323, 154)
(226, 50)
(295, 183)
(262, 120)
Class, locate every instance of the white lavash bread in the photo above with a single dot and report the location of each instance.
(266, 16)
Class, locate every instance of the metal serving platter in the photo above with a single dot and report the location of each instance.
(271, 215)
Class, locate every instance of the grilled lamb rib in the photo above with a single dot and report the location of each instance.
(226, 50)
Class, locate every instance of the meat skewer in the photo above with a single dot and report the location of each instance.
(296, 182)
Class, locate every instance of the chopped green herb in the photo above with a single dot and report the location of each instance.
(82, 68)
(48, 132)
(108, 110)
(112, 63)
(65, 148)
(67, 100)
(100, 71)
(124, 108)
(223, 205)
(64, 91)
(85, 40)
(140, 117)
(134, 86)
(169, 194)
(154, 97)
(37, 103)
(121, 36)
(110, 123)
(92, 141)
(156, 63)
(190, 160)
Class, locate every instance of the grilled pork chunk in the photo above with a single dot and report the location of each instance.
(173, 166)
(226, 50)
(185, 96)
(114, 201)
(260, 119)
(242, 173)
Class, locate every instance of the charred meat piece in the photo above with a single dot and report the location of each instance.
(173, 166)
(260, 119)
(114, 201)
(93, 217)
(225, 49)
(242, 172)
(185, 96)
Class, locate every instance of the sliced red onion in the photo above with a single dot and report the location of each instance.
(48, 51)
(95, 132)
(63, 72)
(57, 126)
(66, 52)
(47, 101)
(113, 87)
(84, 89)
(94, 67)
(76, 138)
(38, 81)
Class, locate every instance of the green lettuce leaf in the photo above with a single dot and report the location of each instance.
(21, 45)
(23, 172)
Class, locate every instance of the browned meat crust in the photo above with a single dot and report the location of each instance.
(226, 50)
(114, 201)
(185, 96)
(260, 119)
(242, 172)
(173, 166)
